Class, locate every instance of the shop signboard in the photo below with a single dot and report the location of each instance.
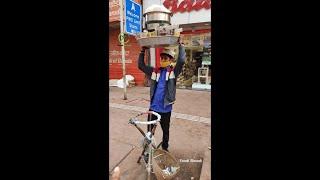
(187, 5)
(185, 11)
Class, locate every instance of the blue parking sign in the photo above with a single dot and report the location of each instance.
(133, 14)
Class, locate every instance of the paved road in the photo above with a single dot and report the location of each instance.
(190, 131)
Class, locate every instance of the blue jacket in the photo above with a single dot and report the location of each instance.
(157, 103)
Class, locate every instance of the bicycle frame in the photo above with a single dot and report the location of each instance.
(150, 140)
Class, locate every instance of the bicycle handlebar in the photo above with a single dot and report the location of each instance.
(135, 121)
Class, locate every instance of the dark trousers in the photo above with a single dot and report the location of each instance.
(165, 125)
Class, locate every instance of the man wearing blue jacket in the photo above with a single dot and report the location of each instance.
(163, 87)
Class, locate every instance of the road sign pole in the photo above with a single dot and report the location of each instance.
(123, 51)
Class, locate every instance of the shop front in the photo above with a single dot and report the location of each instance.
(196, 73)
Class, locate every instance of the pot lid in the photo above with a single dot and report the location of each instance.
(157, 8)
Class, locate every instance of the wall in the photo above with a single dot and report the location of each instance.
(132, 54)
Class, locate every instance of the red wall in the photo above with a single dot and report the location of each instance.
(132, 54)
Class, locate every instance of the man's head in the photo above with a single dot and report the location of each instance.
(166, 57)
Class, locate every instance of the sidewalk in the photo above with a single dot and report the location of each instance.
(189, 132)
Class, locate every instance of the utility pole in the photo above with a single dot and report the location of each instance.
(123, 51)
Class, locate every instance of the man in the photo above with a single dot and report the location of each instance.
(163, 87)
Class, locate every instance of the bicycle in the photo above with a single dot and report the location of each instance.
(150, 148)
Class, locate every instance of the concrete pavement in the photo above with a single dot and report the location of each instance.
(189, 132)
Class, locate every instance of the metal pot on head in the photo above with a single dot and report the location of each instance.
(155, 16)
